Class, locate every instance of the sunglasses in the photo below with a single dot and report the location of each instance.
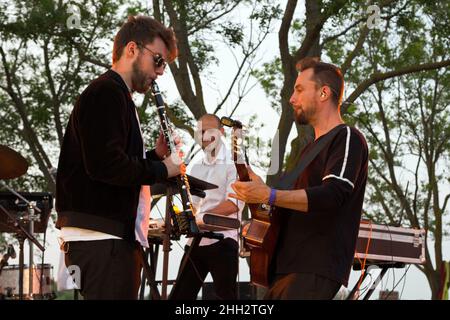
(157, 58)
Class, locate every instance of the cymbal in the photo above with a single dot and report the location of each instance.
(12, 164)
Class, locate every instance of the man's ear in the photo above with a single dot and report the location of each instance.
(324, 93)
(131, 49)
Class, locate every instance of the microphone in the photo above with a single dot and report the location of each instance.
(226, 121)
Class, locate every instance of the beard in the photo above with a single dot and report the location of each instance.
(139, 80)
(303, 117)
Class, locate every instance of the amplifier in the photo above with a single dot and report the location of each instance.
(383, 244)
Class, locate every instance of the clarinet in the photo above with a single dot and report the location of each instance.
(185, 219)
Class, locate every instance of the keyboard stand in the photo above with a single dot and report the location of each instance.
(384, 268)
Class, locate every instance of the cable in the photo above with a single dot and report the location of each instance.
(364, 289)
(391, 247)
(403, 287)
(363, 264)
(404, 275)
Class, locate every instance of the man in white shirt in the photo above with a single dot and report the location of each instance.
(219, 257)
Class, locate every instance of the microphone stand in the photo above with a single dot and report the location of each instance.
(23, 234)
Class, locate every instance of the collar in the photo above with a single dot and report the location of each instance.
(114, 75)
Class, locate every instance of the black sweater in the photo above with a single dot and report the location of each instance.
(101, 165)
(323, 239)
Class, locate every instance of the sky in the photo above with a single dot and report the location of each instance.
(413, 286)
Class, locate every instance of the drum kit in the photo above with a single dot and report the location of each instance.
(24, 219)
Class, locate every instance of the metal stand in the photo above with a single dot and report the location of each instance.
(21, 265)
(149, 270)
(23, 234)
(175, 224)
(150, 276)
(384, 269)
(170, 232)
(31, 219)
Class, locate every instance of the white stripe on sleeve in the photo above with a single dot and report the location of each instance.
(344, 164)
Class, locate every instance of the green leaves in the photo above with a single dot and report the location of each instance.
(233, 32)
(270, 78)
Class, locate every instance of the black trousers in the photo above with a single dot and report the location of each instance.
(110, 269)
(221, 259)
(302, 286)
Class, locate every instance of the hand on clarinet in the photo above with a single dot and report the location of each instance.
(174, 165)
(162, 150)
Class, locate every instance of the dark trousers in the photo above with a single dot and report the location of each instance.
(221, 259)
(302, 286)
(110, 269)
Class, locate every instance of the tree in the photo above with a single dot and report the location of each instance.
(410, 37)
(407, 125)
(45, 64)
(336, 31)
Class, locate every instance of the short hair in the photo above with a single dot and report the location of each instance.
(143, 30)
(324, 74)
(210, 115)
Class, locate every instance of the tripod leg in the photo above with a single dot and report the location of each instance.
(143, 278)
(150, 276)
(195, 242)
(21, 267)
(375, 283)
(352, 296)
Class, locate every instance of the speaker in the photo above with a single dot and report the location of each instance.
(246, 291)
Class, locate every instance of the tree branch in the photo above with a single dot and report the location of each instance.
(55, 100)
(157, 11)
(444, 205)
(283, 34)
(247, 55)
(28, 133)
(364, 18)
(181, 74)
(313, 33)
(208, 22)
(359, 45)
(377, 77)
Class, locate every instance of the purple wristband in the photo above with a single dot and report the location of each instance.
(272, 197)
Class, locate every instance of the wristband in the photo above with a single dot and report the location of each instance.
(272, 197)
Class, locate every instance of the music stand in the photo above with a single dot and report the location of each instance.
(169, 188)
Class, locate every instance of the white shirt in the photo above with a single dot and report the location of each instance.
(221, 171)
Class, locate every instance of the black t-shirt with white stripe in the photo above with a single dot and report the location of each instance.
(323, 239)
